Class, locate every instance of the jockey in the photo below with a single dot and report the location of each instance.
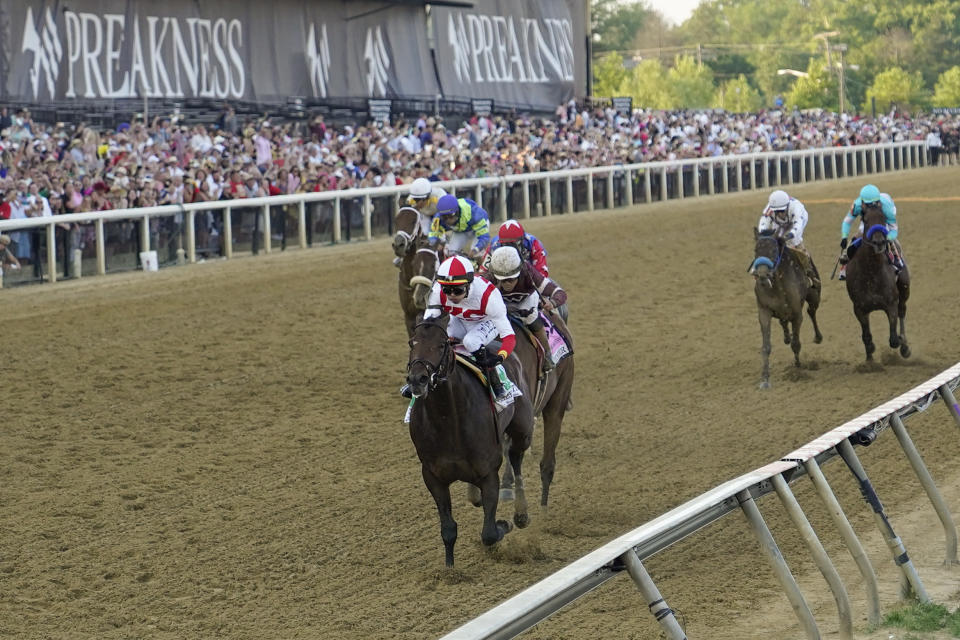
(870, 196)
(520, 295)
(511, 233)
(423, 197)
(788, 217)
(468, 222)
(477, 316)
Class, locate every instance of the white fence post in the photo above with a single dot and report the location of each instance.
(664, 192)
(680, 181)
(547, 198)
(611, 200)
(367, 214)
(502, 213)
(102, 248)
(589, 178)
(525, 184)
(191, 237)
(228, 233)
(569, 194)
(302, 224)
(267, 234)
(337, 232)
(628, 183)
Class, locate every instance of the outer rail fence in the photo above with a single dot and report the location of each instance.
(627, 552)
(96, 243)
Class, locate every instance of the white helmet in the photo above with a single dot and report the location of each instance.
(779, 200)
(505, 263)
(420, 188)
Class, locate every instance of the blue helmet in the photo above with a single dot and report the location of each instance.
(869, 194)
(448, 205)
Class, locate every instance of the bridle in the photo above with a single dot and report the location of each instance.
(437, 372)
(765, 261)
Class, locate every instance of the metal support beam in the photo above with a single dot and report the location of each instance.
(926, 480)
(819, 554)
(780, 568)
(656, 603)
(910, 583)
(849, 538)
(951, 402)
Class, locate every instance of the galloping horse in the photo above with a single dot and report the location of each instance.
(458, 435)
(874, 285)
(552, 399)
(418, 264)
(781, 288)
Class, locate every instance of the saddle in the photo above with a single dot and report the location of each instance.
(559, 343)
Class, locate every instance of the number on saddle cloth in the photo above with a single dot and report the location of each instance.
(558, 343)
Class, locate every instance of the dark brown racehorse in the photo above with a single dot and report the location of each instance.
(458, 436)
(418, 265)
(781, 288)
(551, 402)
(874, 285)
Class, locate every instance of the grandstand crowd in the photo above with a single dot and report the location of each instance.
(49, 169)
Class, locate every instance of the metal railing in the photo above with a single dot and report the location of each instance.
(226, 226)
(627, 552)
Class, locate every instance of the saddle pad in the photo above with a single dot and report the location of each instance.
(469, 364)
(559, 348)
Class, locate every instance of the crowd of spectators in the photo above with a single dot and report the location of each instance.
(49, 169)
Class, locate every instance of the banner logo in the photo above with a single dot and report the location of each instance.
(318, 61)
(378, 63)
(124, 56)
(504, 50)
(47, 52)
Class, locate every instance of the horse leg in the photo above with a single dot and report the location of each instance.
(493, 530)
(764, 315)
(506, 483)
(903, 285)
(813, 303)
(448, 526)
(520, 516)
(892, 321)
(865, 335)
(795, 341)
(473, 495)
(786, 331)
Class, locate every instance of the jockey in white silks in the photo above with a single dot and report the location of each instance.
(788, 217)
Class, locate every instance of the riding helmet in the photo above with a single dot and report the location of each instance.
(505, 263)
(420, 189)
(869, 194)
(510, 231)
(455, 270)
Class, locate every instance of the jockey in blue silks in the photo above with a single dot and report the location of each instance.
(468, 223)
(870, 196)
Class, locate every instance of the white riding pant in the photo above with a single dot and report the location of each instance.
(472, 335)
(461, 241)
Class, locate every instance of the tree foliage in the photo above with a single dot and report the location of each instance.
(737, 96)
(947, 91)
(646, 84)
(690, 85)
(757, 37)
(608, 75)
(896, 87)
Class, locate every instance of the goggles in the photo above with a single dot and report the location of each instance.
(453, 289)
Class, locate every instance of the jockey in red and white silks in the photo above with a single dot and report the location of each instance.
(478, 314)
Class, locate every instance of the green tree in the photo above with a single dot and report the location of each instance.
(737, 96)
(818, 90)
(896, 86)
(608, 74)
(691, 85)
(646, 84)
(947, 91)
(615, 23)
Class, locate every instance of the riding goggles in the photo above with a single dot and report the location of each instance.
(454, 289)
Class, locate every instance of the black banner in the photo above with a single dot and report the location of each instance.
(217, 49)
(482, 106)
(518, 52)
(623, 105)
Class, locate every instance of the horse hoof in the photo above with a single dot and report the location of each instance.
(818, 339)
(521, 520)
(504, 527)
(506, 495)
(894, 342)
(764, 385)
(904, 350)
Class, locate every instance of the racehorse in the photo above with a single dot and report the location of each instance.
(551, 402)
(458, 435)
(418, 265)
(782, 287)
(874, 285)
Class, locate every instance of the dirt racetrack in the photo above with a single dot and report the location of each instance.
(217, 451)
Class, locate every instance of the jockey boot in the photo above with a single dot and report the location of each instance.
(541, 334)
(482, 358)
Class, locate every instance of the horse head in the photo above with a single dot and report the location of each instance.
(430, 355)
(424, 266)
(767, 254)
(408, 231)
(874, 227)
